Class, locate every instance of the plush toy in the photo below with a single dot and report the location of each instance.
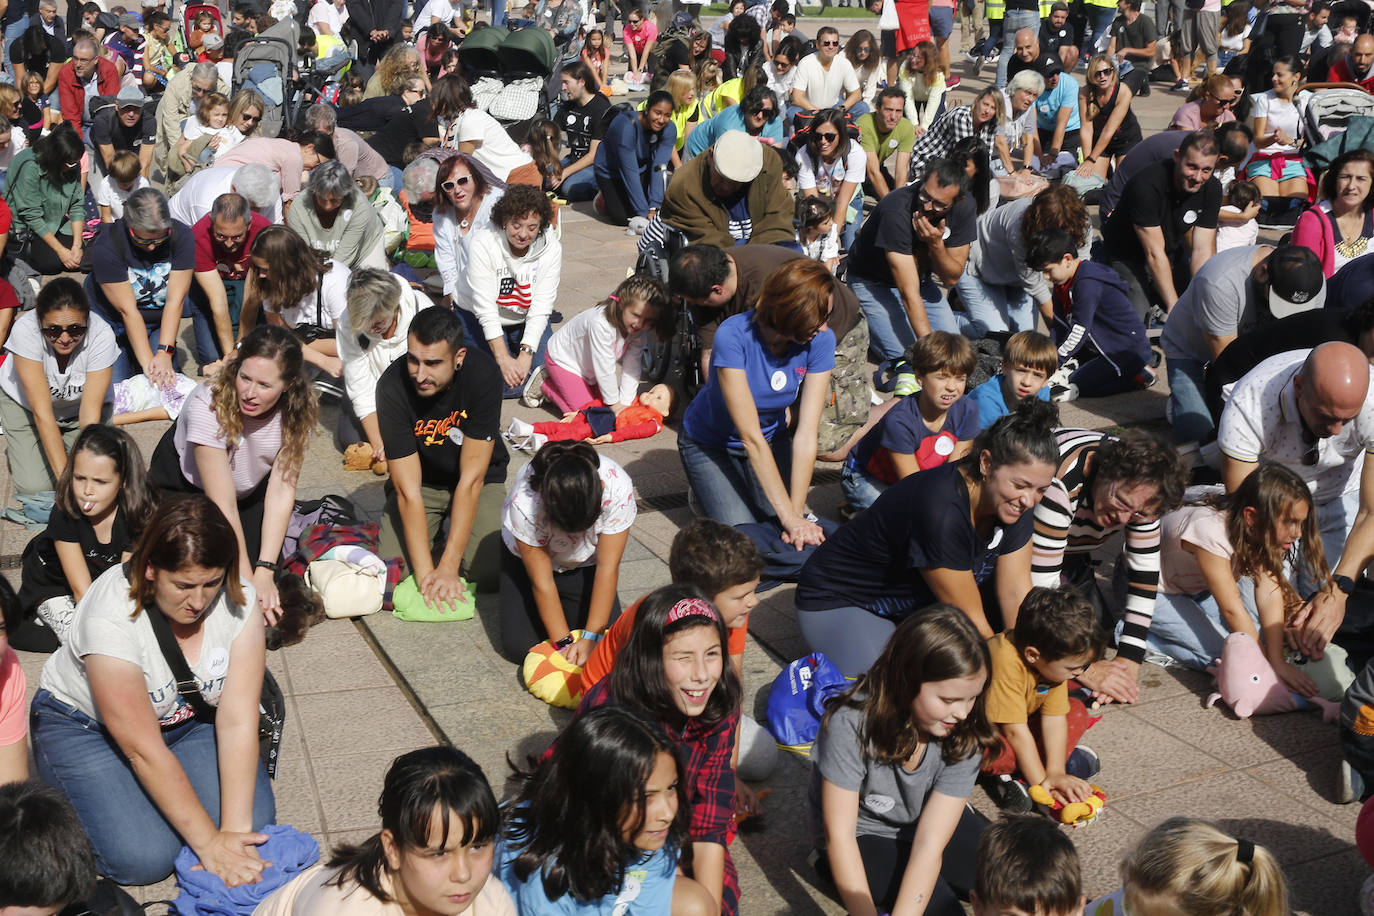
(1075, 814)
(359, 457)
(1246, 682)
(551, 677)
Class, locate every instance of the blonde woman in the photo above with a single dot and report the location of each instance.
(1108, 128)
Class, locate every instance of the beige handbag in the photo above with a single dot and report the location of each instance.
(346, 590)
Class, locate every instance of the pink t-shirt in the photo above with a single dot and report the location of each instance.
(1189, 117)
(14, 712)
(250, 461)
(281, 156)
(641, 37)
(1179, 573)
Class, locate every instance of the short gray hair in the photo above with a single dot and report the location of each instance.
(331, 177)
(321, 117)
(231, 208)
(418, 179)
(373, 294)
(1026, 79)
(258, 183)
(205, 72)
(146, 211)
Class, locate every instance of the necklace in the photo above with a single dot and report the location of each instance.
(463, 224)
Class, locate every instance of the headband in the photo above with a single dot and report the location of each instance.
(689, 607)
(1245, 851)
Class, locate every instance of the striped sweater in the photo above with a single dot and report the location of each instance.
(1064, 523)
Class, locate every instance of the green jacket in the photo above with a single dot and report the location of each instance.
(39, 205)
(691, 206)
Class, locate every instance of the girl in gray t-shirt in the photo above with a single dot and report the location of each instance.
(896, 759)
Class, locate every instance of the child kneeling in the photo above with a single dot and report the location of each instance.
(1028, 361)
(1056, 637)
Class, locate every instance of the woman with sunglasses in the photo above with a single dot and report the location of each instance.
(55, 381)
(758, 114)
(1209, 106)
(639, 36)
(832, 165)
(1108, 128)
(464, 194)
(862, 52)
(43, 189)
(245, 112)
(781, 71)
(1105, 484)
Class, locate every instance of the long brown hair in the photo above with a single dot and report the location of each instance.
(937, 643)
(1270, 489)
(186, 530)
(297, 403)
(137, 493)
(294, 268)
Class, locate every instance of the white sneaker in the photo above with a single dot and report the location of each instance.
(519, 429)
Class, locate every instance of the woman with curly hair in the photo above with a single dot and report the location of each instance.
(998, 290)
(241, 440)
(298, 288)
(393, 71)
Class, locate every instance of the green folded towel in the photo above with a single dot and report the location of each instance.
(408, 604)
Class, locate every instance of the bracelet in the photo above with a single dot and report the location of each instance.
(526, 348)
(564, 642)
(266, 564)
(589, 636)
(1090, 159)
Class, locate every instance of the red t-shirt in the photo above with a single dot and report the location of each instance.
(602, 659)
(211, 255)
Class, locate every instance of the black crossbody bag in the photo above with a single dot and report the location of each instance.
(271, 706)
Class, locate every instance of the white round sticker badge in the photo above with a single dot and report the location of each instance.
(945, 234)
(779, 380)
(944, 446)
(892, 144)
(879, 804)
(218, 661)
(1190, 217)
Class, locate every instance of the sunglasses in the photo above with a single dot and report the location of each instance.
(1104, 72)
(828, 138)
(779, 64)
(250, 119)
(765, 110)
(55, 331)
(830, 44)
(456, 183)
(1224, 103)
(150, 243)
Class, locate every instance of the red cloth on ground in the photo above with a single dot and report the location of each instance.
(1079, 720)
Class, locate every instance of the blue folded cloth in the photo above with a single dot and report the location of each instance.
(203, 894)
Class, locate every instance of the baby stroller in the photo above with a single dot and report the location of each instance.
(1329, 110)
(266, 64)
(528, 63)
(481, 65)
(188, 20)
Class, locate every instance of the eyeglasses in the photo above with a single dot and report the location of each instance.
(149, 243)
(931, 204)
(456, 183)
(1105, 71)
(200, 90)
(1119, 505)
(827, 138)
(82, 60)
(1309, 457)
(55, 331)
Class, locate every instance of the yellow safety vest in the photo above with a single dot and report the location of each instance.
(995, 9)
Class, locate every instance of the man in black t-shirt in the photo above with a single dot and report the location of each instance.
(582, 119)
(439, 409)
(916, 234)
(125, 127)
(1133, 36)
(1165, 226)
(1056, 36)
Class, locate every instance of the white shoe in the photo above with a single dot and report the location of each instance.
(519, 429)
(533, 394)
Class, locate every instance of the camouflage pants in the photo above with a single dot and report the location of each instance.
(846, 409)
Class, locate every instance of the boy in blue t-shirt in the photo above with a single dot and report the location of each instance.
(1101, 338)
(1028, 361)
(925, 431)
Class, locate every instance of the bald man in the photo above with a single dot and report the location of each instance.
(1308, 411)
(1358, 65)
(1027, 54)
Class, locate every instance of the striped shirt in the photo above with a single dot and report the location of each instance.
(1064, 523)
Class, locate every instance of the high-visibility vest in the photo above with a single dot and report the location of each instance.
(995, 9)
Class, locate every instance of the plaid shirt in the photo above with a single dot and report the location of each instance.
(953, 126)
(708, 780)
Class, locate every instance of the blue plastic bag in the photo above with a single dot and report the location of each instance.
(797, 701)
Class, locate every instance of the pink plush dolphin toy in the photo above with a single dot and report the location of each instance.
(1247, 683)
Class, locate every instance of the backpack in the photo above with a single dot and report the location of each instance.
(796, 702)
(327, 510)
(658, 57)
(675, 361)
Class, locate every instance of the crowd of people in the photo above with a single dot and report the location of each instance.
(820, 222)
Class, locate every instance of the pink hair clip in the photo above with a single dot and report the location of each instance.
(687, 607)
(613, 298)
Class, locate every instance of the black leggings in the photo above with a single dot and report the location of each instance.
(521, 626)
(1286, 29)
(618, 211)
(885, 860)
(40, 256)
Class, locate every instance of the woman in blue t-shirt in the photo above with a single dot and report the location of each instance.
(741, 461)
(937, 536)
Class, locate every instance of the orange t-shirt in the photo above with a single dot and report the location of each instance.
(603, 656)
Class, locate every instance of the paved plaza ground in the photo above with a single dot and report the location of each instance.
(360, 693)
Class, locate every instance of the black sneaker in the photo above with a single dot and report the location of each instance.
(1009, 794)
(1083, 763)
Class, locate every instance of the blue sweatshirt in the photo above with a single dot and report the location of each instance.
(631, 157)
(1094, 308)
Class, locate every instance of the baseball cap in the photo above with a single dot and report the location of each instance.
(130, 97)
(738, 156)
(1047, 65)
(1296, 281)
(211, 41)
(130, 20)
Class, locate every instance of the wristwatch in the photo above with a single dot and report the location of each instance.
(564, 642)
(169, 349)
(1344, 583)
(526, 348)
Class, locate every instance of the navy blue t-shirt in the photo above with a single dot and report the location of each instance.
(920, 522)
(903, 430)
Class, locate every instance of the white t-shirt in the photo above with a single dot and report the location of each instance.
(495, 149)
(825, 88)
(332, 16)
(230, 137)
(826, 177)
(17, 142)
(98, 351)
(522, 518)
(198, 194)
(332, 300)
(1280, 114)
(110, 194)
(103, 627)
(443, 10)
(825, 246)
(1233, 42)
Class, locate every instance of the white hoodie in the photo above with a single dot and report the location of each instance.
(508, 291)
(364, 368)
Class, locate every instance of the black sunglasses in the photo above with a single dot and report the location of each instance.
(55, 331)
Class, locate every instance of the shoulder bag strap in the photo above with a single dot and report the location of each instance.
(186, 681)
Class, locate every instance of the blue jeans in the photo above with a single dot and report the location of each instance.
(889, 328)
(1189, 628)
(203, 321)
(498, 12)
(1100, 22)
(1013, 22)
(579, 185)
(725, 484)
(13, 32)
(859, 488)
(126, 365)
(1188, 412)
(133, 841)
(993, 307)
(513, 335)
